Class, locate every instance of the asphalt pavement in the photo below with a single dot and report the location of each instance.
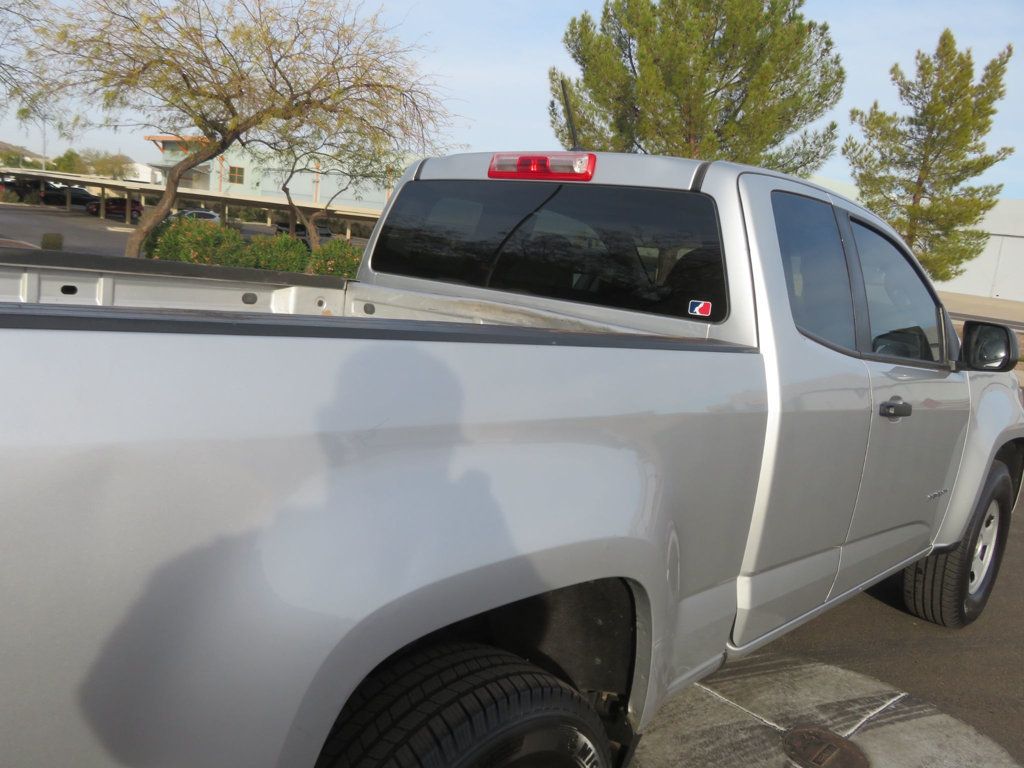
(82, 233)
(975, 674)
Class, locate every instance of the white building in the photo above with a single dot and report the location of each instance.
(998, 273)
(147, 174)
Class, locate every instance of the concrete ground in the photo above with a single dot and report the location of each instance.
(910, 694)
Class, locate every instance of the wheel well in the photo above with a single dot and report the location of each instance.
(1012, 455)
(584, 634)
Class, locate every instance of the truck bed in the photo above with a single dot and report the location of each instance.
(71, 279)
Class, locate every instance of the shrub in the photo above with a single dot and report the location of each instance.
(281, 252)
(199, 242)
(336, 257)
(9, 196)
(149, 246)
(52, 241)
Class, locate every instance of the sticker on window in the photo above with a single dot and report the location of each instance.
(700, 308)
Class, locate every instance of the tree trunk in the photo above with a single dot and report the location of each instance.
(295, 213)
(314, 235)
(153, 216)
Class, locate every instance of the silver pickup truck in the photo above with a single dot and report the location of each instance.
(586, 427)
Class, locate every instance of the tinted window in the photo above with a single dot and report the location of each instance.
(903, 317)
(815, 267)
(646, 250)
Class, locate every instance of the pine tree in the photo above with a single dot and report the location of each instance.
(914, 169)
(710, 79)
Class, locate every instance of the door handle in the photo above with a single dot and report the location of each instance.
(894, 408)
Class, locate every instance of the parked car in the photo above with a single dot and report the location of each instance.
(196, 213)
(586, 426)
(23, 188)
(114, 208)
(55, 194)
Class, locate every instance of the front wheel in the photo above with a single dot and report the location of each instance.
(951, 588)
(462, 705)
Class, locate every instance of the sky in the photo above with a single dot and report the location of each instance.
(491, 59)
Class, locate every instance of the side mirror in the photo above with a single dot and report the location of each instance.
(988, 347)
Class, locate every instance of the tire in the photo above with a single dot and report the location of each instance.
(951, 587)
(462, 705)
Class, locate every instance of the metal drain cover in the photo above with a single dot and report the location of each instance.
(811, 746)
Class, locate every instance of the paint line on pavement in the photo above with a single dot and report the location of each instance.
(874, 712)
(720, 697)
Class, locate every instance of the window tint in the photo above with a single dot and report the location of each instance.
(815, 267)
(647, 250)
(903, 317)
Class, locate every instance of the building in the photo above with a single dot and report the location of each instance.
(998, 273)
(237, 173)
(147, 174)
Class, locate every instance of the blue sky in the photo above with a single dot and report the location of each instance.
(491, 60)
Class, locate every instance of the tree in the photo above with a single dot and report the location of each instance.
(914, 169)
(236, 71)
(707, 79)
(16, 17)
(350, 159)
(111, 165)
(70, 162)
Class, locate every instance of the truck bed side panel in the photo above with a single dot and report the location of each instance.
(211, 537)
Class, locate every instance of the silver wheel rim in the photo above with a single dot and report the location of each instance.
(985, 549)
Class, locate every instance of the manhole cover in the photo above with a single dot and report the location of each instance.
(811, 746)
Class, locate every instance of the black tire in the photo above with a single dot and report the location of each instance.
(461, 705)
(940, 587)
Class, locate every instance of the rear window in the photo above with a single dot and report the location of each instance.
(645, 250)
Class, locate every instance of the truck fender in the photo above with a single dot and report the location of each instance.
(417, 614)
(997, 418)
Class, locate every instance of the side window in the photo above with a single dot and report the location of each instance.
(815, 266)
(902, 314)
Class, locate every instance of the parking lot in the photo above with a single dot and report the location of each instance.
(82, 233)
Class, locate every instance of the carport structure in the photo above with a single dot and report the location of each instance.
(132, 190)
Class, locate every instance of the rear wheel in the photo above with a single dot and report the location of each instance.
(462, 705)
(951, 588)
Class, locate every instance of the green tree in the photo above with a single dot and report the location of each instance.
(221, 72)
(113, 165)
(710, 79)
(914, 169)
(70, 162)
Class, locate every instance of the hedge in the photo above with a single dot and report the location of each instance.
(204, 242)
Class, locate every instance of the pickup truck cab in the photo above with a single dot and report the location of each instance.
(586, 426)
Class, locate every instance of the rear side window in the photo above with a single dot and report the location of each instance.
(903, 315)
(815, 265)
(646, 250)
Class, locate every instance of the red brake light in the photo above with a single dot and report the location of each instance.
(553, 166)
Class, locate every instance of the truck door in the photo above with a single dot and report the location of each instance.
(920, 409)
(819, 404)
